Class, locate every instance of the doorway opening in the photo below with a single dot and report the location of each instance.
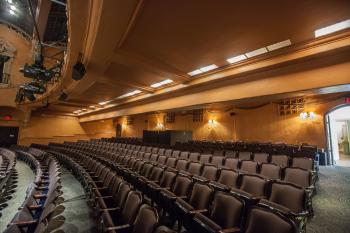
(338, 135)
(8, 136)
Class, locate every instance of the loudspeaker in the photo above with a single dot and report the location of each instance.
(78, 71)
(63, 96)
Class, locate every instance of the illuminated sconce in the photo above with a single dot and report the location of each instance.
(211, 122)
(160, 125)
(307, 115)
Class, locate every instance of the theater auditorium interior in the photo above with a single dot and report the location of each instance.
(169, 116)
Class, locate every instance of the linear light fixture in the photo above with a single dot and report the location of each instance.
(162, 83)
(256, 52)
(135, 92)
(237, 58)
(332, 28)
(203, 69)
(105, 102)
(279, 45)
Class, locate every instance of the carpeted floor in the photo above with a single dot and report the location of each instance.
(78, 215)
(25, 177)
(332, 202)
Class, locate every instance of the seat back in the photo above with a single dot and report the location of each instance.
(261, 157)
(161, 151)
(271, 171)
(184, 155)
(194, 157)
(298, 176)
(168, 179)
(217, 160)
(227, 210)
(245, 155)
(205, 158)
(253, 184)
(171, 162)
(288, 195)
(249, 166)
(168, 152)
(181, 164)
(122, 193)
(161, 159)
(156, 174)
(210, 172)
(228, 177)
(131, 207)
(182, 185)
(231, 163)
(195, 168)
(201, 196)
(153, 157)
(176, 154)
(230, 154)
(280, 160)
(146, 220)
(264, 220)
(304, 163)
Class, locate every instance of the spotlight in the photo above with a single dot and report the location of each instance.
(4, 58)
(38, 73)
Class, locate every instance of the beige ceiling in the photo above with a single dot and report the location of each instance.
(137, 43)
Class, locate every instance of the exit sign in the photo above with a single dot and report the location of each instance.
(347, 100)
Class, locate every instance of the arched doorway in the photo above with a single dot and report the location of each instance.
(337, 122)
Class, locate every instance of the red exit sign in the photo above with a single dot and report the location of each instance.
(347, 100)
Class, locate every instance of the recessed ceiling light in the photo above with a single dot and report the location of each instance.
(332, 28)
(12, 12)
(256, 52)
(279, 45)
(129, 94)
(12, 7)
(162, 83)
(208, 68)
(203, 69)
(195, 72)
(105, 102)
(236, 58)
(84, 109)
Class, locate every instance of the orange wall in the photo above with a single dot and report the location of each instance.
(261, 124)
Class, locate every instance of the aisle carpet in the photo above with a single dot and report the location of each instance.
(332, 202)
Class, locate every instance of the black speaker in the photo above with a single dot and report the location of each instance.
(78, 71)
(63, 96)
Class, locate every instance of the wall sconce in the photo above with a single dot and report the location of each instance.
(160, 125)
(211, 122)
(307, 115)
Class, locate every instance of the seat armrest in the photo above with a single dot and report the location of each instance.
(230, 230)
(24, 223)
(110, 209)
(198, 211)
(121, 227)
(35, 207)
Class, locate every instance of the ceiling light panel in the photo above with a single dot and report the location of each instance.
(279, 45)
(129, 94)
(237, 58)
(256, 52)
(332, 28)
(203, 69)
(162, 83)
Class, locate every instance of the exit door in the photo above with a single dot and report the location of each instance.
(8, 136)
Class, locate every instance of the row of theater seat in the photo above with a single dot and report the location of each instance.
(119, 207)
(36, 212)
(8, 176)
(300, 172)
(155, 173)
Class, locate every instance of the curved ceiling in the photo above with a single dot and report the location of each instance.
(138, 43)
